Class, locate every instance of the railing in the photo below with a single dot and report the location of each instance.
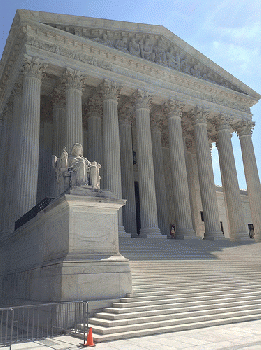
(32, 322)
(33, 212)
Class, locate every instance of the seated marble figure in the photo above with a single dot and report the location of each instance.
(75, 170)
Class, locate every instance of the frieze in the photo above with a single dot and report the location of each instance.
(185, 82)
(155, 48)
(60, 50)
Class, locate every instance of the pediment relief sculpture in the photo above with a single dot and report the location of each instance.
(155, 48)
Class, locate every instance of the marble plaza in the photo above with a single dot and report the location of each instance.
(141, 103)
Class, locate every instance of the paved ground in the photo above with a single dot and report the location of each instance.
(245, 335)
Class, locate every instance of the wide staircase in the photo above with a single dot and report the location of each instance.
(182, 285)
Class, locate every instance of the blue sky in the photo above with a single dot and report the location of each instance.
(228, 32)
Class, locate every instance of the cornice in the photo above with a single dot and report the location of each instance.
(96, 23)
(40, 37)
(146, 72)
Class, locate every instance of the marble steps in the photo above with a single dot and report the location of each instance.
(181, 303)
(120, 332)
(140, 316)
(174, 309)
(172, 292)
(201, 298)
(185, 316)
(185, 294)
(142, 330)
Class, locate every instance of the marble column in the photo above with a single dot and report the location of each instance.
(127, 179)
(206, 178)
(59, 120)
(111, 143)
(148, 204)
(229, 181)
(169, 182)
(28, 160)
(73, 93)
(17, 103)
(192, 170)
(160, 185)
(184, 227)
(94, 129)
(7, 161)
(244, 131)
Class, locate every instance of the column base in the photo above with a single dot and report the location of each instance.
(141, 235)
(240, 236)
(151, 232)
(185, 234)
(214, 236)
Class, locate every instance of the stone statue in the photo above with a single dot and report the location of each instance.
(61, 168)
(122, 44)
(75, 170)
(109, 41)
(160, 53)
(147, 50)
(79, 166)
(173, 59)
(134, 47)
(94, 175)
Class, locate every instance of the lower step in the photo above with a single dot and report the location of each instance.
(169, 329)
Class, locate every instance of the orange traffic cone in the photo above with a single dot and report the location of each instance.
(89, 339)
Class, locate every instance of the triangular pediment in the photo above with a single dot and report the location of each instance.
(150, 42)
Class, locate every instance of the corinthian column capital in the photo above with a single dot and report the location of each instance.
(73, 79)
(244, 127)
(221, 122)
(142, 99)
(110, 89)
(33, 67)
(199, 116)
(173, 108)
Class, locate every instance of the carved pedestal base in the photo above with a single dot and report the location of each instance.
(69, 251)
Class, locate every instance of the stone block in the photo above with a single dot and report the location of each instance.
(69, 251)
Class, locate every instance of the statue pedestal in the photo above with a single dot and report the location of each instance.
(69, 251)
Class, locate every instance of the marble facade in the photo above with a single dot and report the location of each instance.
(144, 104)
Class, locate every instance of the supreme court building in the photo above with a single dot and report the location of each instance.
(145, 105)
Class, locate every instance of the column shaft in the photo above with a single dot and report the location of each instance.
(230, 184)
(191, 163)
(252, 178)
(206, 180)
(128, 192)
(74, 130)
(59, 121)
(180, 180)
(94, 139)
(111, 144)
(29, 139)
(160, 185)
(7, 165)
(148, 209)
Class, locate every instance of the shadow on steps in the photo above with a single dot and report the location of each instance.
(167, 249)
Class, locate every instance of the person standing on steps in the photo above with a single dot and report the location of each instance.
(172, 231)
